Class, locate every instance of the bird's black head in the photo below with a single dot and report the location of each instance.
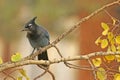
(30, 26)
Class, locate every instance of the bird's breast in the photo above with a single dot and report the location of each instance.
(38, 41)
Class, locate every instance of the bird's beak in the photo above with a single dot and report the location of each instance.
(22, 30)
(25, 29)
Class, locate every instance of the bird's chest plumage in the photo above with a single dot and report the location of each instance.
(37, 41)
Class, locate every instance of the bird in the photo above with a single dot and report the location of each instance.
(38, 37)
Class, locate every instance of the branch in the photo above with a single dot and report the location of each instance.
(81, 57)
(46, 70)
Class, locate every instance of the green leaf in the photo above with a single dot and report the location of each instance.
(16, 57)
(104, 43)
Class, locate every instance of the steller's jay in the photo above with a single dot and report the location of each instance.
(38, 37)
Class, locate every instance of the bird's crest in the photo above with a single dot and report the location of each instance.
(33, 20)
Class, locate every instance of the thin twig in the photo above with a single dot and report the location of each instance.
(93, 68)
(8, 75)
(69, 64)
(40, 75)
(46, 70)
(111, 16)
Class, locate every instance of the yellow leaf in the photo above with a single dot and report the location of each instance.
(110, 36)
(1, 61)
(113, 20)
(117, 39)
(113, 48)
(98, 41)
(105, 27)
(19, 78)
(117, 76)
(118, 48)
(16, 57)
(105, 32)
(112, 41)
(97, 62)
(104, 43)
(109, 49)
(117, 58)
(110, 57)
(23, 72)
(119, 68)
(101, 74)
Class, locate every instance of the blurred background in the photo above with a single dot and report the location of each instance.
(56, 16)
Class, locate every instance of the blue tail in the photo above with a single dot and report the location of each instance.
(43, 56)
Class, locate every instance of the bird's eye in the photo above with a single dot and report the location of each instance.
(29, 25)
